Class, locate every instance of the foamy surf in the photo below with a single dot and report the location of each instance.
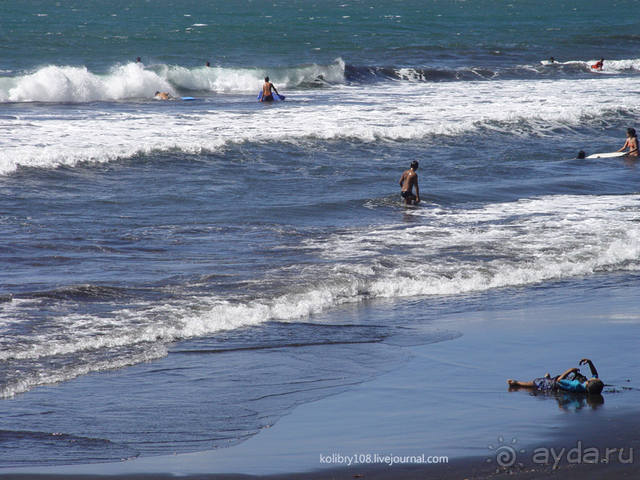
(69, 84)
(394, 112)
(454, 252)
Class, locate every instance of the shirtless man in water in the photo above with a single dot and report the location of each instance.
(267, 88)
(408, 179)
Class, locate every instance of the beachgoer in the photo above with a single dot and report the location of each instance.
(138, 60)
(207, 64)
(408, 180)
(577, 384)
(162, 96)
(598, 65)
(631, 143)
(267, 89)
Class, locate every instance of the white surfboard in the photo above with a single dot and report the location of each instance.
(607, 155)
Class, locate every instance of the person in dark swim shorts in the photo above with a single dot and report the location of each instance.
(408, 196)
(408, 180)
(267, 91)
(578, 383)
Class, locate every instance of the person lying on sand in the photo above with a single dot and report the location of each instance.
(578, 383)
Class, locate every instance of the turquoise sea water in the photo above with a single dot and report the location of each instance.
(240, 33)
(252, 248)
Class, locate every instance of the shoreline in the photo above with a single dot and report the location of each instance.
(449, 399)
(566, 459)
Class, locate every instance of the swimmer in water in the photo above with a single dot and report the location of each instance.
(162, 96)
(631, 143)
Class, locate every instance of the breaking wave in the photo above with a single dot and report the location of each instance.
(455, 251)
(67, 84)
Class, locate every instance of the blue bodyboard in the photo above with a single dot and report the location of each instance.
(276, 97)
(188, 99)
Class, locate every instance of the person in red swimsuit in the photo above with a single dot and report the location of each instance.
(631, 143)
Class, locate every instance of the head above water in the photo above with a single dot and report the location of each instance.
(631, 132)
(594, 386)
(414, 165)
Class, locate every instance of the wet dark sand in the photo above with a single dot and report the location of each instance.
(451, 399)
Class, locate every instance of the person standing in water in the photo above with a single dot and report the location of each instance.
(267, 91)
(631, 143)
(408, 180)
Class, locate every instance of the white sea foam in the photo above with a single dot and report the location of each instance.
(44, 375)
(610, 66)
(77, 84)
(395, 111)
(617, 66)
(456, 251)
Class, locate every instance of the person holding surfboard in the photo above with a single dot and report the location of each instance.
(631, 143)
(267, 91)
(408, 180)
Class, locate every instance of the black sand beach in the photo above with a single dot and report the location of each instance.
(451, 400)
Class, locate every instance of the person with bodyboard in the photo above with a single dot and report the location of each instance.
(631, 143)
(267, 92)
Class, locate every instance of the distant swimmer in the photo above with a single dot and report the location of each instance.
(267, 91)
(598, 65)
(581, 155)
(207, 64)
(631, 143)
(162, 96)
(552, 60)
(408, 180)
(138, 60)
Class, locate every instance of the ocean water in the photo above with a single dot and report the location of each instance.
(236, 259)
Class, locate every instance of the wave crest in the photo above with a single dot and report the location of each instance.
(67, 84)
